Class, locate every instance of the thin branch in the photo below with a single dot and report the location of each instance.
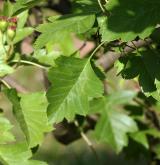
(108, 60)
(30, 63)
(85, 138)
(101, 6)
(97, 48)
(5, 83)
(14, 84)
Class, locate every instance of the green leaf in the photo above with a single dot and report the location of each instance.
(129, 19)
(146, 68)
(5, 127)
(55, 32)
(46, 58)
(141, 138)
(7, 8)
(156, 134)
(86, 6)
(114, 99)
(120, 97)
(5, 69)
(153, 132)
(22, 19)
(157, 151)
(15, 154)
(114, 125)
(96, 105)
(73, 84)
(113, 128)
(22, 5)
(30, 112)
(22, 33)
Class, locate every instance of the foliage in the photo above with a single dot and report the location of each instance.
(79, 88)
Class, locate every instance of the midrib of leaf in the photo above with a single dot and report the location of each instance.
(72, 87)
(111, 127)
(19, 113)
(21, 118)
(112, 131)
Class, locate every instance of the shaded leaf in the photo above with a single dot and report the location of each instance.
(128, 20)
(146, 68)
(86, 6)
(141, 138)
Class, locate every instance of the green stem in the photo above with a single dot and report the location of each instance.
(101, 6)
(85, 138)
(30, 63)
(97, 48)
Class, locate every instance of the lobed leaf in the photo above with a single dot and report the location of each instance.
(5, 130)
(55, 32)
(15, 154)
(128, 20)
(114, 125)
(73, 84)
(30, 112)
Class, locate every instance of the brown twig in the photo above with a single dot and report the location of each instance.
(108, 60)
(14, 84)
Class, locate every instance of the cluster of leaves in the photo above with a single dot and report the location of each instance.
(125, 118)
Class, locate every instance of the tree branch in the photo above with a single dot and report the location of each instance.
(14, 84)
(108, 59)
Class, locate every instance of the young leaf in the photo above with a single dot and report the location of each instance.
(30, 112)
(73, 84)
